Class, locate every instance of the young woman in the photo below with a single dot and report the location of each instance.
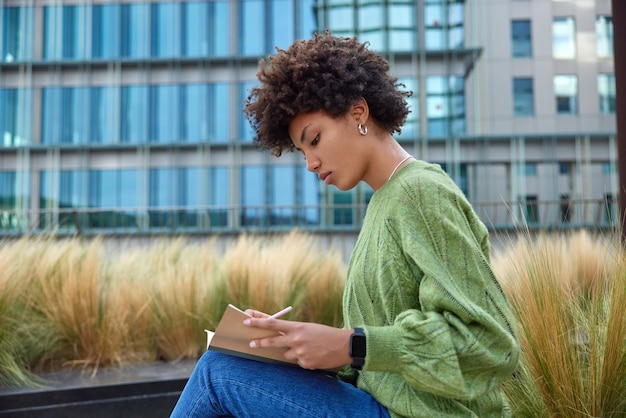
(428, 331)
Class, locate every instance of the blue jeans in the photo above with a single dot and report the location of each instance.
(228, 386)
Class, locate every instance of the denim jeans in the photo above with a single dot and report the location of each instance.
(228, 386)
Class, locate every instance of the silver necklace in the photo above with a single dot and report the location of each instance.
(398, 166)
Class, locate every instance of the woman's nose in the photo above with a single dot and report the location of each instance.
(312, 163)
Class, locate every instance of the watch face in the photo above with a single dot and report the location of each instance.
(357, 346)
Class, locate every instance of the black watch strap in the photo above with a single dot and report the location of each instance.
(358, 348)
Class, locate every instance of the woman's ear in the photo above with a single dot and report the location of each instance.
(360, 111)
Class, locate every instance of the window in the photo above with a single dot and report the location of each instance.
(445, 105)
(307, 19)
(135, 30)
(606, 93)
(252, 24)
(253, 196)
(220, 28)
(219, 186)
(563, 38)
(387, 26)
(15, 117)
(170, 189)
(16, 34)
(164, 113)
(604, 36)
(527, 169)
(134, 114)
(8, 196)
(523, 98)
(282, 24)
(521, 40)
(63, 115)
(103, 118)
(194, 112)
(65, 32)
(110, 191)
(443, 22)
(566, 94)
(611, 209)
(219, 112)
(164, 30)
(105, 31)
(530, 209)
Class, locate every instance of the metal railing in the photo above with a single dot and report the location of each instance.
(594, 214)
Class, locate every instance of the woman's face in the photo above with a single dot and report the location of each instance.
(331, 147)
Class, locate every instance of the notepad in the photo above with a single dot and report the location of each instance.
(233, 338)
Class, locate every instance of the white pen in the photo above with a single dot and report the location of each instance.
(281, 312)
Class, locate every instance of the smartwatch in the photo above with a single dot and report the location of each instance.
(357, 348)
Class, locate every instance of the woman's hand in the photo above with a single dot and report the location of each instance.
(313, 346)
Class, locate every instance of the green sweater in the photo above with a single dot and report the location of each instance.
(440, 333)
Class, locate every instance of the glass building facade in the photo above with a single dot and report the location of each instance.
(125, 117)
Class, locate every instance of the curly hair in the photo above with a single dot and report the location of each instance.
(324, 73)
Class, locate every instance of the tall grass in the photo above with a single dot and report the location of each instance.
(568, 293)
(75, 303)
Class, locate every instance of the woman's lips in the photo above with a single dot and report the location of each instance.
(325, 177)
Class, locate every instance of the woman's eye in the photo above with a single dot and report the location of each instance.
(315, 140)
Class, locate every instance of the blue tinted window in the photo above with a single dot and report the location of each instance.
(220, 28)
(307, 19)
(15, 116)
(135, 30)
(521, 41)
(219, 114)
(164, 30)
(219, 192)
(445, 105)
(434, 24)
(105, 31)
(252, 27)
(113, 189)
(16, 34)
(195, 29)
(283, 194)
(63, 115)
(402, 27)
(103, 118)
(220, 186)
(370, 17)
(7, 190)
(162, 187)
(523, 97)
(194, 112)
(341, 19)
(134, 114)
(163, 113)
(253, 196)
(282, 24)
(443, 23)
(65, 32)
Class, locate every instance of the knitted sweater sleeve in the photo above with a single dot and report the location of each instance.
(453, 336)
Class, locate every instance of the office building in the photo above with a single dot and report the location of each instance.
(124, 117)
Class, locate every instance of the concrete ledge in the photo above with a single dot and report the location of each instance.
(149, 390)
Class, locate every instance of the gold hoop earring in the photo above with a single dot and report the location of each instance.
(362, 129)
